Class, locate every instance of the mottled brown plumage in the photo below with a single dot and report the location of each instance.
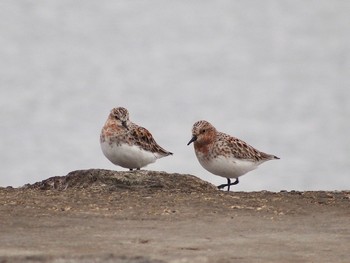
(126, 144)
(225, 155)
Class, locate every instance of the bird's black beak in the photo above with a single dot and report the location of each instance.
(124, 125)
(194, 138)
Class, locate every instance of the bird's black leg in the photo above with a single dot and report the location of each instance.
(224, 185)
(228, 184)
(130, 169)
(235, 182)
(138, 169)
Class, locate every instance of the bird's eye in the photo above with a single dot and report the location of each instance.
(203, 131)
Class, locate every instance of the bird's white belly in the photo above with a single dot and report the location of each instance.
(227, 167)
(127, 156)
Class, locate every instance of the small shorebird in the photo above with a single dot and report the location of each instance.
(225, 155)
(126, 144)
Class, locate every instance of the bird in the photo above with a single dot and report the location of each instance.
(225, 155)
(126, 144)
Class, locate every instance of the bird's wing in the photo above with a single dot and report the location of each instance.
(144, 139)
(243, 150)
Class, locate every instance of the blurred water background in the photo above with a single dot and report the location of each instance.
(274, 73)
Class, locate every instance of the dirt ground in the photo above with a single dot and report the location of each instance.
(145, 216)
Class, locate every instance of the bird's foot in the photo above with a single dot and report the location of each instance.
(132, 169)
(221, 186)
(228, 184)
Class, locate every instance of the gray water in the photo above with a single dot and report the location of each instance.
(273, 73)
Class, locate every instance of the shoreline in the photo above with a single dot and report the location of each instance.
(145, 216)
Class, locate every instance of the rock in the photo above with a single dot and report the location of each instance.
(130, 180)
(145, 216)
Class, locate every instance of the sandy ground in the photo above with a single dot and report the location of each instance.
(145, 216)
